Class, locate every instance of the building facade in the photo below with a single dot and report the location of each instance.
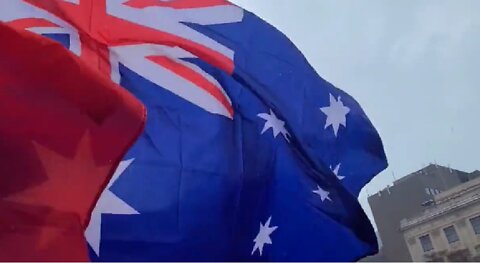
(449, 230)
(407, 197)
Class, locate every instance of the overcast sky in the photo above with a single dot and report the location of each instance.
(413, 65)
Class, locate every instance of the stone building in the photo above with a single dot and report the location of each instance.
(407, 197)
(449, 229)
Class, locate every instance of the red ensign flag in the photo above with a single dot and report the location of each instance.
(63, 130)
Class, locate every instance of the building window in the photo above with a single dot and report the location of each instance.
(475, 224)
(426, 243)
(431, 191)
(451, 234)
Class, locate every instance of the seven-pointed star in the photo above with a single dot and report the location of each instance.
(70, 187)
(108, 203)
(72, 183)
(322, 193)
(277, 125)
(336, 114)
(263, 236)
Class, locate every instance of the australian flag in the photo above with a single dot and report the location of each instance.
(247, 155)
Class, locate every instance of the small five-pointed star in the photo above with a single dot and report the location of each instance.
(336, 170)
(277, 125)
(263, 236)
(336, 114)
(324, 195)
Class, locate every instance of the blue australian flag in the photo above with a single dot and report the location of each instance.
(270, 172)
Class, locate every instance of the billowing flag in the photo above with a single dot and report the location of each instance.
(248, 154)
(63, 131)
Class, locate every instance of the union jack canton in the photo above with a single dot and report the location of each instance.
(148, 36)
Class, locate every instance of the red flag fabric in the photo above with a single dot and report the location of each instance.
(63, 130)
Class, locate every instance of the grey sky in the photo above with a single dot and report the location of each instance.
(414, 66)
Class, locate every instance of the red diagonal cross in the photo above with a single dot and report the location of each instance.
(98, 31)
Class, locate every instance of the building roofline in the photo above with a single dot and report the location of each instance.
(406, 223)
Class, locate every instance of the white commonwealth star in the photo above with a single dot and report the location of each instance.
(322, 193)
(108, 203)
(336, 114)
(263, 236)
(336, 170)
(277, 125)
